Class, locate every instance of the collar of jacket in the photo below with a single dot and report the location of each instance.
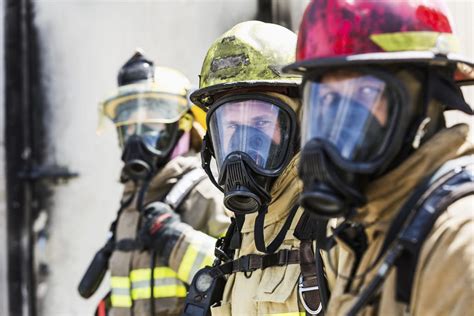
(285, 193)
(170, 173)
(387, 194)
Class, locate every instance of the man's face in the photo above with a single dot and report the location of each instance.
(255, 114)
(258, 128)
(367, 90)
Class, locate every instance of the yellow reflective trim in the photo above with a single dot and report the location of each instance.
(187, 263)
(208, 261)
(121, 300)
(119, 282)
(417, 41)
(145, 274)
(287, 314)
(159, 291)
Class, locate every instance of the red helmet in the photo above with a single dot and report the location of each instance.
(342, 32)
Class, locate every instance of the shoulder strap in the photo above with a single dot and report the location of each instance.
(312, 288)
(420, 212)
(413, 238)
(259, 227)
(419, 195)
(183, 187)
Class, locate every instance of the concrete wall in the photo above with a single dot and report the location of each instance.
(3, 200)
(84, 43)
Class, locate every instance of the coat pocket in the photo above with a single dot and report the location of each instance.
(277, 292)
(222, 310)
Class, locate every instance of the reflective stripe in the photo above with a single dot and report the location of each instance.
(158, 282)
(159, 291)
(417, 41)
(145, 274)
(123, 282)
(196, 257)
(119, 291)
(187, 263)
(120, 296)
(166, 283)
(121, 300)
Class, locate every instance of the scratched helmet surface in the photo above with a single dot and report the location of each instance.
(251, 54)
(343, 32)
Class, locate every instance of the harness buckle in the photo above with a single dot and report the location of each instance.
(302, 290)
(219, 251)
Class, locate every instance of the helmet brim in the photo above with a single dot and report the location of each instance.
(464, 74)
(289, 87)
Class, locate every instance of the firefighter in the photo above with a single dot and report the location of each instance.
(160, 136)
(378, 77)
(253, 137)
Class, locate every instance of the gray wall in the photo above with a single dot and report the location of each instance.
(84, 43)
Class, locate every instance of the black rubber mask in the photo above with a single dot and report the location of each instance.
(250, 138)
(245, 191)
(348, 136)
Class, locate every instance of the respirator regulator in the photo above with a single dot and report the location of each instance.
(352, 128)
(251, 138)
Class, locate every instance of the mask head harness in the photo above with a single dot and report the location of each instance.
(251, 137)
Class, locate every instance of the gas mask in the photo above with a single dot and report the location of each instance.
(252, 138)
(148, 126)
(352, 128)
(147, 149)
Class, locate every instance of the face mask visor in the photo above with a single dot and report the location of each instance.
(258, 129)
(144, 111)
(352, 116)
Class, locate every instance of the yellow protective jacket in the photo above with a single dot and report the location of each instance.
(202, 210)
(444, 276)
(272, 291)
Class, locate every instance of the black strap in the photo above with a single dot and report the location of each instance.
(419, 195)
(449, 184)
(123, 205)
(128, 244)
(308, 229)
(309, 283)
(223, 250)
(412, 240)
(252, 262)
(236, 238)
(259, 235)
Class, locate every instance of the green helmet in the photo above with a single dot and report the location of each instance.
(250, 55)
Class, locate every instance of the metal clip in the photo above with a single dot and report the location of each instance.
(301, 290)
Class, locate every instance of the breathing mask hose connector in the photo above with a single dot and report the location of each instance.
(140, 163)
(318, 195)
(242, 193)
(325, 193)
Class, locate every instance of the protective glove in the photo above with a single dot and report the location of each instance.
(161, 230)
